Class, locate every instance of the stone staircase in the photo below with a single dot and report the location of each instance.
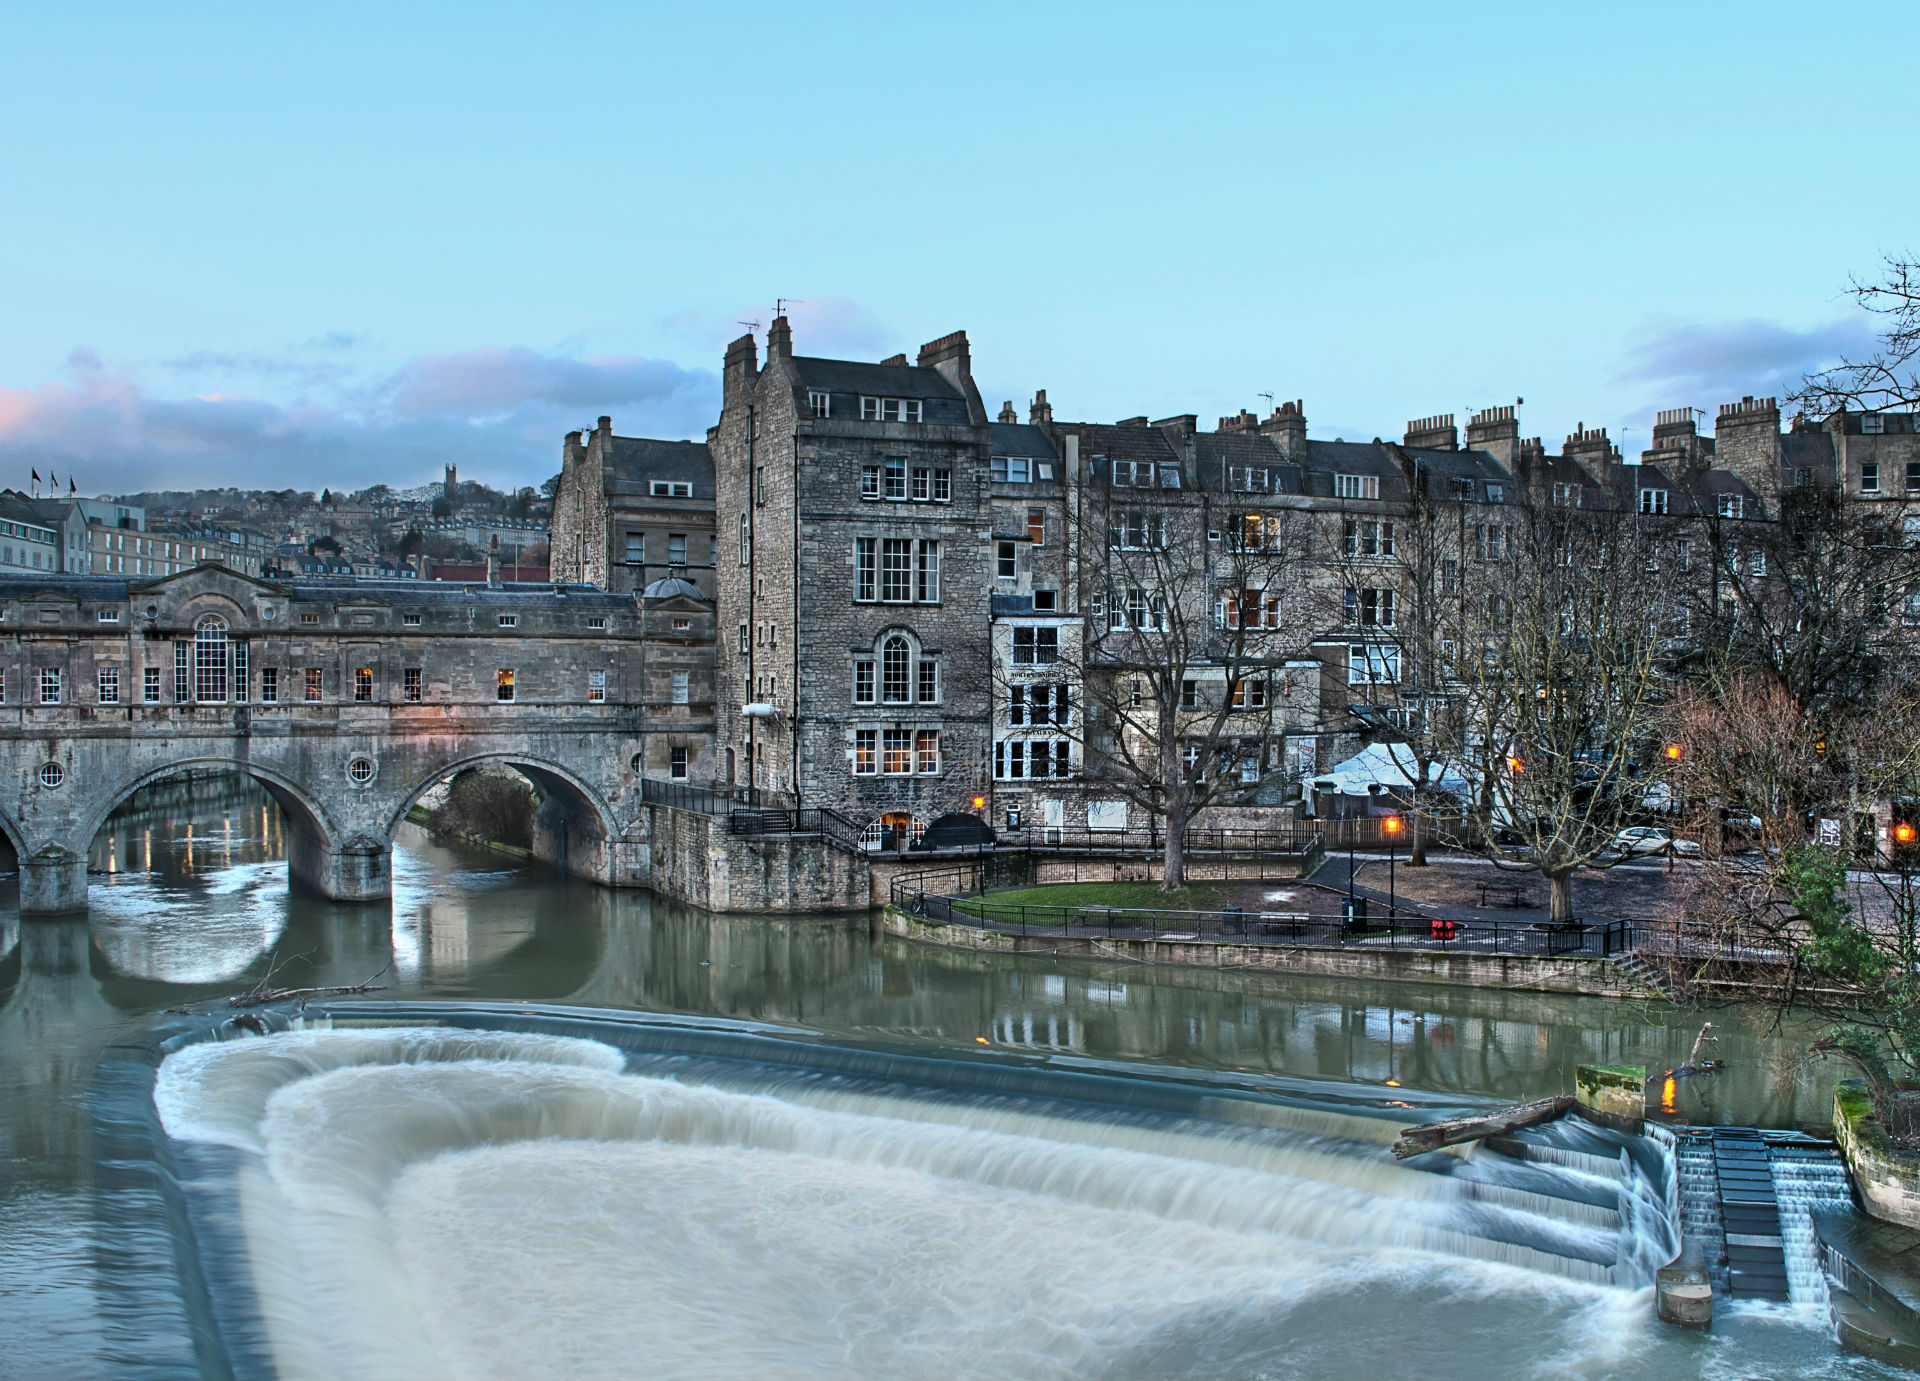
(1644, 975)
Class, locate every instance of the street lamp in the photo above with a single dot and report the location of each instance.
(1393, 824)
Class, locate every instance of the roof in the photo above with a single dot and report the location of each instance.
(1127, 443)
(16, 507)
(1018, 439)
(672, 587)
(322, 590)
(875, 380)
(636, 460)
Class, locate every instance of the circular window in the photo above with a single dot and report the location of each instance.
(634, 762)
(360, 771)
(52, 774)
(153, 611)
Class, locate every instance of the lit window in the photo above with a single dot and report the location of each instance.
(1249, 695)
(503, 684)
(897, 751)
(313, 683)
(596, 687)
(865, 743)
(1037, 526)
(309, 619)
(363, 684)
(927, 750)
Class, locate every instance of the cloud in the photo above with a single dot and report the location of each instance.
(1710, 364)
(498, 414)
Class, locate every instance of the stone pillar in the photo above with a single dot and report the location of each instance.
(359, 870)
(53, 882)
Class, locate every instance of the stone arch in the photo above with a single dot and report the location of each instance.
(304, 814)
(575, 830)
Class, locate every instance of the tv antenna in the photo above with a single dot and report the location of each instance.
(780, 304)
(1267, 396)
(750, 325)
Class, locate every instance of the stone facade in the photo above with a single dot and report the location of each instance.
(346, 700)
(841, 489)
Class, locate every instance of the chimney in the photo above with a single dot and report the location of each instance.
(493, 563)
(1007, 414)
(1674, 433)
(953, 359)
(1746, 440)
(1436, 433)
(779, 340)
(741, 369)
(1590, 449)
(1497, 432)
(1243, 421)
(1287, 425)
(892, 360)
(1181, 427)
(1041, 413)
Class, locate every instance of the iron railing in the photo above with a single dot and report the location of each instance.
(708, 800)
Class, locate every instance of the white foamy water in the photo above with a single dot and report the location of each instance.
(433, 1202)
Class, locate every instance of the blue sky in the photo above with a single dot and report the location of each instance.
(353, 243)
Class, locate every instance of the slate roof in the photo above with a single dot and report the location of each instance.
(636, 460)
(1018, 439)
(25, 584)
(875, 380)
(1809, 451)
(1127, 443)
(672, 587)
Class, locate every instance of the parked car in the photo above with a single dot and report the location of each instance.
(1651, 839)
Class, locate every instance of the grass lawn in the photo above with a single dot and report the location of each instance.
(1199, 896)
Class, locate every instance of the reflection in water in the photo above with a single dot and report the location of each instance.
(190, 904)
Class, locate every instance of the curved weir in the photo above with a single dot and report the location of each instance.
(428, 1189)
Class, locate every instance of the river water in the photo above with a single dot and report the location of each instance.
(893, 1231)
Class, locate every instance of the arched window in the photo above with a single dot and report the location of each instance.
(211, 658)
(895, 687)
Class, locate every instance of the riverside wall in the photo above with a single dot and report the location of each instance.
(1583, 975)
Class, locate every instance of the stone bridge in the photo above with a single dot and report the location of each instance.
(346, 700)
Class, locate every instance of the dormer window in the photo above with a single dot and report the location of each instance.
(1249, 479)
(1653, 501)
(819, 403)
(890, 410)
(1872, 424)
(1729, 505)
(1357, 486)
(1496, 493)
(671, 489)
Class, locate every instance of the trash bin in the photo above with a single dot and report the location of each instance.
(1233, 920)
(1353, 914)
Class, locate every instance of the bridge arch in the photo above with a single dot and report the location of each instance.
(575, 829)
(304, 813)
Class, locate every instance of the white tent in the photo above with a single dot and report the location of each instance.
(1389, 765)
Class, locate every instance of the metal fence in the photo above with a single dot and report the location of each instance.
(941, 894)
(709, 800)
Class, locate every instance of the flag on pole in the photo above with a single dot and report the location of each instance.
(72, 488)
(36, 477)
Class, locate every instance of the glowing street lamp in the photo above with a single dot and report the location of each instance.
(1393, 824)
(1673, 752)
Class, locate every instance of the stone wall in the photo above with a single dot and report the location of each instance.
(1525, 973)
(1888, 1183)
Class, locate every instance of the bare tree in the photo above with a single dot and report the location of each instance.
(1182, 670)
(1561, 639)
(1889, 377)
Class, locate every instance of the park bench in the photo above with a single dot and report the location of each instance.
(1508, 894)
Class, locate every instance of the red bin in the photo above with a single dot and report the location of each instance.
(1442, 930)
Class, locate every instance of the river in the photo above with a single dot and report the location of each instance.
(190, 904)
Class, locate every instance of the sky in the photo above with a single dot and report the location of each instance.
(280, 246)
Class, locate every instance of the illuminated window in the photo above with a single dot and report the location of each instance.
(503, 684)
(363, 684)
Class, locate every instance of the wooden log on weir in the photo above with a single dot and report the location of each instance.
(1433, 1135)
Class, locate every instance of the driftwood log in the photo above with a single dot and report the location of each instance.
(1433, 1135)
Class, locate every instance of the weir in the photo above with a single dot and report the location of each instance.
(1062, 1213)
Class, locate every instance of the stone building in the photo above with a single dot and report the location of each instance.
(909, 598)
(630, 511)
(853, 595)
